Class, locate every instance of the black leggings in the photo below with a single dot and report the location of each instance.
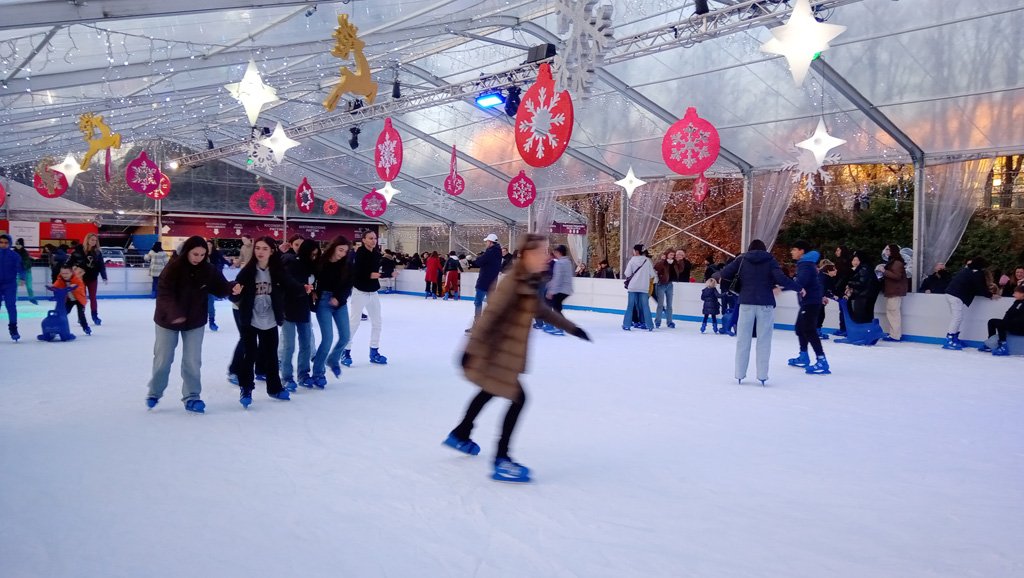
(69, 305)
(807, 328)
(997, 326)
(557, 300)
(260, 344)
(431, 287)
(238, 359)
(464, 429)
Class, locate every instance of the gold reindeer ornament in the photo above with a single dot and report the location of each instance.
(360, 82)
(90, 124)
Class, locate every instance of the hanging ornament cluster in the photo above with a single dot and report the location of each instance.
(544, 121)
(142, 175)
(361, 82)
(261, 202)
(304, 197)
(801, 39)
(279, 143)
(521, 190)
(90, 124)
(374, 204)
(330, 207)
(454, 184)
(252, 93)
(50, 183)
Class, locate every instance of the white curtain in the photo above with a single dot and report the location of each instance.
(578, 247)
(772, 194)
(646, 209)
(951, 195)
(543, 212)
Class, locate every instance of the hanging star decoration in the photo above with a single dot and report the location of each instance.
(800, 39)
(821, 142)
(279, 143)
(388, 191)
(69, 168)
(252, 93)
(630, 183)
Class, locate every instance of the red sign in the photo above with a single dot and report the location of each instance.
(229, 228)
(567, 229)
(58, 230)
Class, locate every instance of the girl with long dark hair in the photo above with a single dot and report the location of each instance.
(333, 288)
(365, 284)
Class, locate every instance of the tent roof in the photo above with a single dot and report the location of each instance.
(23, 200)
(941, 77)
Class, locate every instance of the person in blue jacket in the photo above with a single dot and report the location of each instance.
(489, 262)
(811, 298)
(10, 270)
(758, 273)
(967, 284)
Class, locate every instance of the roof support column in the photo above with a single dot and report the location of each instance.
(747, 221)
(917, 262)
(625, 250)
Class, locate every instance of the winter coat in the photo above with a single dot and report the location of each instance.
(684, 270)
(336, 278)
(968, 284)
(807, 278)
(91, 262)
(758, 273)
(157, 262)
(281, 286)
(218, 260)
(415, 263)
(452, 264)
(489, 263)
(561, 277)
(862, 283)
(78, 293)
(1014, 318)
(26, 259)
(10, 267)
(433, 266)
(936, 282)
(894, 280)
(640, 282)
(297, 303)
(387, 267)
(183, 290)
(498, 342)
(506, 262)
(367, 263)
(828, 285)
(710, 297)
(606, 273)
(666, 272)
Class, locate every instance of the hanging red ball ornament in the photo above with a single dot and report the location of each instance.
(48, 182)
(454, 184)
(521, 190)
(162, 190)
(374, 204)
(261, 202)
(700, 189)
(387, 155)
(330, 207)
(3, 195)
(544, 121)
(691, 145)
(142, 175)
(304, 197)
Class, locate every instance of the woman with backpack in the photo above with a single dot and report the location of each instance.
(638, 275)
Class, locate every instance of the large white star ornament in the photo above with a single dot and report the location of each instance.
(821, 142)
(252, 93)
(630, 183)
(800, 39)
(388, 191)
(69, 168)
(279, 143)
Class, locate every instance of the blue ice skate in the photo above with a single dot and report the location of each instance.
(281, 395)
(245, 398)
(232, 379)
(346, 358)
(820, 367)
(468, 447)
(291, 385)
(336, 370)
(376, 357)
(953, 342)
(801, 360)
(151, 402)
(195, 406)
(505, 470)
(1002, 351)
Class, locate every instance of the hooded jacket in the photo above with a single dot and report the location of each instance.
(561, 277)
(299, 268)
(489, 264)
(758, 273)
(807, 278)
(1014, 318)
(10, 265)
(183, 290)
(967, 284)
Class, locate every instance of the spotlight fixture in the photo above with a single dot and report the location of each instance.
(266, 130)
(311, 11)
(354, 141)
(356, 105)
(701, 7)
(396, 89)
(173, 165)
(209, 144)
(490, 100)
(512, 102)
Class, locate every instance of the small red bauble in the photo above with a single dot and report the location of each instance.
(50, 183)
(700, 189)
(142, 175)
(691, 145)
(162, 190)
(330, 207)
(304, 198)
(374, 204)
(261, 202)
(521, 190)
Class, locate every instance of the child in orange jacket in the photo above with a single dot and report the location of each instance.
(76, 298)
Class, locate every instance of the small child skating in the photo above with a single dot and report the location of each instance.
(497, 349)
(69, 277)
(452, 276)
(827, 277)
(711, 298)
(1012, 323)
(811, 297)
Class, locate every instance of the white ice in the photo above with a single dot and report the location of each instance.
(649, 461)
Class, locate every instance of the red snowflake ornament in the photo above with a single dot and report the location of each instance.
(3, 195)
(142, 175)
(691, 145)
(544, 121)
(521, 190)
(261, 202)
(374, 204)
(454, 184)
(387, 155)
(700, 189)
(48, 182)
(162, 190)
(330, 207)
(304, 197)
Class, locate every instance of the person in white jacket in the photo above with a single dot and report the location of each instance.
(638, 274)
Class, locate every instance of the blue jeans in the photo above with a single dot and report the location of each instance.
(26, 277)
(9, 294)
(478, 302)
(764, 317)
(325, 315)
(191, 361)
(663, 294)
(211, 311)
(287, 349)
(638, 300)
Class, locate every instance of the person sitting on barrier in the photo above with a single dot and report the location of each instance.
(1012, 323)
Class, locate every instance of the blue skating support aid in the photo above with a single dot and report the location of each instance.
(55, 324)
(859, 333)
(1015, 343)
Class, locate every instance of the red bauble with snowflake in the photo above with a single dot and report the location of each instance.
(387, 155)
(3, 195)
(374, 204)
(691, 145)
(700, 189)
(142, 175)
(454, 184)
(48, 182)
(521, 190)
(261, 202)
(544, 121)
(162, 190)
(304, 198)
(330, 207)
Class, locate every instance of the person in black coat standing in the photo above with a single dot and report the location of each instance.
(861, 290)
(968, 283)
(489, 263)
(299, 266)
(365, 285)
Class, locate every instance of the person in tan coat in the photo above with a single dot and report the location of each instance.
(496, 353)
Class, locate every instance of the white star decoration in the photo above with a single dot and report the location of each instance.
(820, 142)
(388, 191)
(630, 183)
(252, 93)
(69, 168)
(279, 143)
(800, 39)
